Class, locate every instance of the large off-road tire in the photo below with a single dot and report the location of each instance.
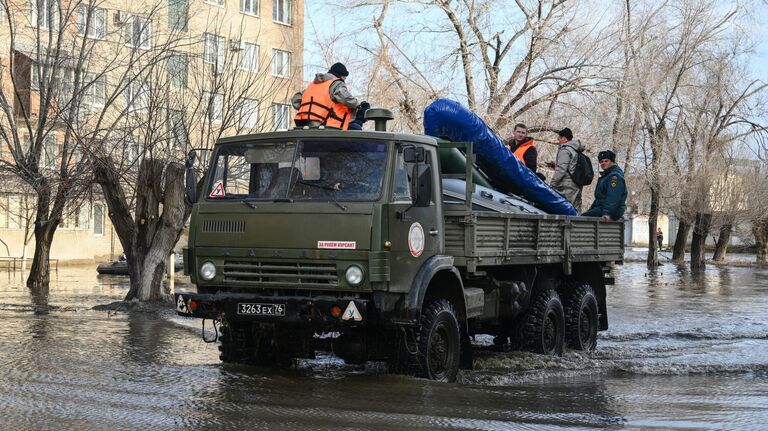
(581, 318)
(544, 328)
(439, 342)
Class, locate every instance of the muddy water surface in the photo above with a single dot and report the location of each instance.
(682, 352)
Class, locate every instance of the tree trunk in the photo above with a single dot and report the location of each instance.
(681, 240)
(722, 242)
(149, 236)
(45, 227)
(39, 272)
(653, 250)
(760, 230)
(700, 232)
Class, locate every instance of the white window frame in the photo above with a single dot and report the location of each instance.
(285, 62)
(215, 107)
(97, 15)
(213, 51)
(48, 160)
(102, 222)
(281, 111)
(217, 3)
(47, 19)
(249, 59)
(145, 29)
(97, 89)
(249, 114)
(250, 7)
(137, 95)
(282, 11)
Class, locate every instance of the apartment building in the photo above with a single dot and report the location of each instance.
(197, 69)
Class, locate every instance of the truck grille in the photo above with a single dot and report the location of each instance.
(281, 274)
(224, 226)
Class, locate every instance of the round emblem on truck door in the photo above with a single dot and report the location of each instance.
(416, 239)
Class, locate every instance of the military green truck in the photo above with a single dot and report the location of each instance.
(352, 241)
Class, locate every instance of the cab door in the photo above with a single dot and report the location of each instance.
(415, 228)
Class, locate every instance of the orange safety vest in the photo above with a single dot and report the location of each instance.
(317, 105)
(520, 151)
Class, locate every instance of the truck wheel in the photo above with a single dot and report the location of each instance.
(439, 345)
(581, 317)
(544, 330)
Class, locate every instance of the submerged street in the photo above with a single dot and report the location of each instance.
(682, 352)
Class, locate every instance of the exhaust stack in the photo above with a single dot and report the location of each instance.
(380, 116)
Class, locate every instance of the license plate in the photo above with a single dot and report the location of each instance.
(254, 309)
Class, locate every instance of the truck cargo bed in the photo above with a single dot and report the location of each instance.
(479, 238)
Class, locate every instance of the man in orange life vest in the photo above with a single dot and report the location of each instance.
(326, 101)
(522, 147)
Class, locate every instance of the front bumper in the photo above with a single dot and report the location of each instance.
(304, 310)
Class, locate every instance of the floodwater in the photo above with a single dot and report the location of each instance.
(682, 352)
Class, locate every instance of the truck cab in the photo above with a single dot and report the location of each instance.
(318, 238)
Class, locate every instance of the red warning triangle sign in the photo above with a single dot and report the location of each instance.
(352, 313)
(218, 190)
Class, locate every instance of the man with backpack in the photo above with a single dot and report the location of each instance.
(573, 170)
(611, 191)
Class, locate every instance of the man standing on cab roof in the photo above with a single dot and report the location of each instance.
(326, 101)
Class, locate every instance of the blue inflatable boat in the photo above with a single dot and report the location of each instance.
(449, 119)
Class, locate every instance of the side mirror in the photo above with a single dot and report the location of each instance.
(413, 154)
(422, 185)
(190, 188)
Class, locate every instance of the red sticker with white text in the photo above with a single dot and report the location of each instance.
(218, 190)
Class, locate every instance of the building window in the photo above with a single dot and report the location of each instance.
(138, 31)
(215, 107)
(43, 13)
(34, 77)
(249, 114)
(177, 69)
(250, 7)
(219, 3)
(280, 116)
(213, 50)
(281, 63)
(177, 14)
(98, 219)
(131, 151)
(281, 11)
(50, 151)
(94, 91)
(81, 216)
(93, 26)
(178, 129)
(250, 57)
(137, 95)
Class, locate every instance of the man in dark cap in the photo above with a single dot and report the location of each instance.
(326, 101)
(611, 191)
(565, 166)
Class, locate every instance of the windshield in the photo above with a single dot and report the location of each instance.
(323, 170)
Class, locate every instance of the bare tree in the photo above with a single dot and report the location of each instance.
(54, 89)
(194, 96)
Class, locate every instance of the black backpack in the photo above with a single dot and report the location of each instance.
(582, 174)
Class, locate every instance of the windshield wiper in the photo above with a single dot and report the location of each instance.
(249, 204)
(333, 189)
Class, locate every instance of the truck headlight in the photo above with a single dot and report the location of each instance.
(354, 275)
(207, 271)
